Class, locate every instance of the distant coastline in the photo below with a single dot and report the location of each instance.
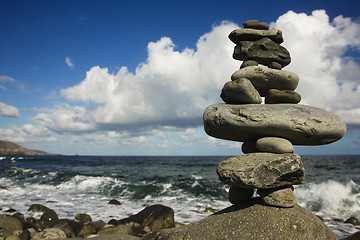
(9, 148)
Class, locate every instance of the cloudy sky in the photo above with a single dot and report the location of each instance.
(134, 77)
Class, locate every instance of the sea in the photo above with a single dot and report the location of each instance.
(188, 184)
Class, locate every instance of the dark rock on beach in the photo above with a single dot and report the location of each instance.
(353, 220)
(9, 225)
(251, 220)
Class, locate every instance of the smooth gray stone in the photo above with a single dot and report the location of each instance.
(240, 91)
(274, 145)
(255, 24)
(249, 63)
(247, 34)
(278, 197)
(300, 124)
(264, 51)
(262, 170)
(264, 79)
(282, 96)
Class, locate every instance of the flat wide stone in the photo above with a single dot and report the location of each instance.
(262, 170)
(249, 34)
(300, 124)
(264, 78)
(264, 51)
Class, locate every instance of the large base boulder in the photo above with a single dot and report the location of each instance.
(252, 220)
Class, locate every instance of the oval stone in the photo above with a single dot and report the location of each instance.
(300, 124)
(274, 145)
(264, 78)
(248, 34)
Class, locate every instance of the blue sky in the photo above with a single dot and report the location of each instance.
(133, 77)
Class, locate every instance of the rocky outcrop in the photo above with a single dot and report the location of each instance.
(9, 148)
(252, 220)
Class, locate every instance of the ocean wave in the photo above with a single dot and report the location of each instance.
(330, 198)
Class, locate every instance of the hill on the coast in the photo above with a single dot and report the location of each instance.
(9, 148)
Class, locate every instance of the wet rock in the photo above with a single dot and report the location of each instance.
(156, 217)
(264, 79)
(300, 124)
(83, 218)
(274, 145)
(114, 202)
(239, 195)
(13, 237)
(353, 220)
(278, 197)
(355, 236)
(239, 35)
(255, 24)
(50, 233)
(48, 219)
(282, 96)
(9, 225)
(70, 227)
(252, 220)
(209, 210)
(240, 91)
(37, 208)
(121, 228)
(262, 170)
(264, 51)
(87, 230)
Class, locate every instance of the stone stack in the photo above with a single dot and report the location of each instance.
(268, 130)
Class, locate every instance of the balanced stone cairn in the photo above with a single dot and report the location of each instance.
(268, 131)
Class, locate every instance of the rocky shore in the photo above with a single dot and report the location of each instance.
(147, 224)
(9, 148)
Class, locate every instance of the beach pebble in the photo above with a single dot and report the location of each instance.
(238, 195)
(9, 225)
(264, 79)
(274, 96)
(275, 65)
(274, 145)
(240, 91)
(249, 63)
(264, 51)
(70, 227)
(278, 197)
(255, 24)
(48, 219)
(353, 220)
(83, 218)
(50, 233)
(300, 124)
(114, 202)
(262, 170)
(239, 35)
(13, 237)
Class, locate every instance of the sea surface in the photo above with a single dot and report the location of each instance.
(188, 184)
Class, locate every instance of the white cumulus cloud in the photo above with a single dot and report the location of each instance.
(328, 78)
(69, 62)
(8, 111)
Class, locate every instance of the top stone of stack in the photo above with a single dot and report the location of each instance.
(255, 24)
